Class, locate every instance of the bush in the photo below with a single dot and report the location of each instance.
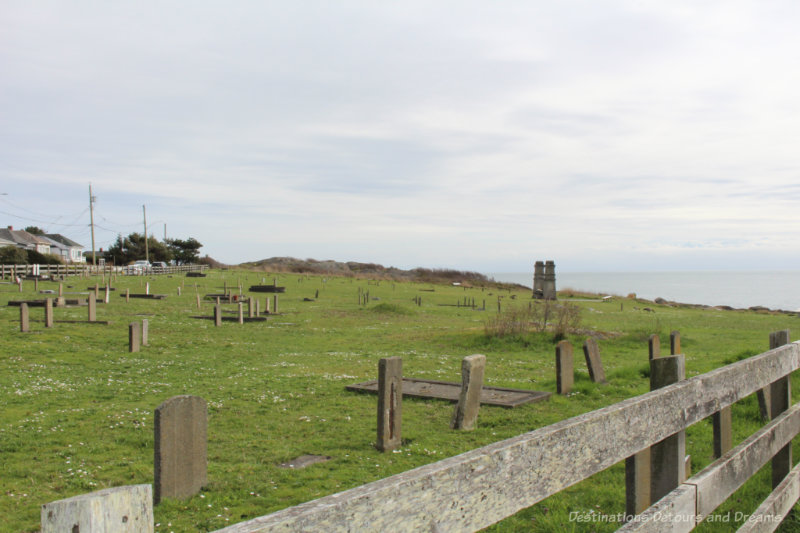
(11, 255)
(36, 258)
(543, 315)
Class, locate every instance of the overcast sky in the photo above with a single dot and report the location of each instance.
(614, 135)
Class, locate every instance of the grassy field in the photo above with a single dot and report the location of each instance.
(76, 409)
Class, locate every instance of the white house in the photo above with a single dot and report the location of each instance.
(67, 249)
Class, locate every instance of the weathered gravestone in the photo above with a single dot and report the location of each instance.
(24, 320)
(592, 354)
(564, 367)
(120, 509)
(92, 304)
(390, 398)
(145, 331)
(469, 402)
(48, 313)
(180, 457)
(134, 337)
(218, 314)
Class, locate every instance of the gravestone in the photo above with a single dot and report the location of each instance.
(127, 295)
(258, 308)
(275, 303)
(24, 320)
(147, 288)
(106, 297)
(145, 331)
(48, 313)
(180, 456)
(564, 367)
(217, 315)
(134, 337)
(675, 343)
(120, 509)
(250, 313)
(92, 308)
(654, 346)
(591, 351)
(241, 313)
(390, 398)
(466, 411)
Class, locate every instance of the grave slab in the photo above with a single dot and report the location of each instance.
(446, 390)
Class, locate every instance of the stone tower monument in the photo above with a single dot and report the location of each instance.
(544, 280)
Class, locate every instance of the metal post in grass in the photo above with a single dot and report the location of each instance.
(668, 457)
(48, 313)
(390, 399)
(24, 320)
(780, 400)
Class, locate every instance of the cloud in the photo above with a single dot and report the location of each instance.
(463, 134)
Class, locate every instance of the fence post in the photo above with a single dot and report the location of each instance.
(780, 400)
(390, 400)
(637, 466)
(668, 457)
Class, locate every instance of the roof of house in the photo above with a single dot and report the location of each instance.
(20, 236)
(63, 241)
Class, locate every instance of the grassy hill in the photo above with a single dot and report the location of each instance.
(77, 408)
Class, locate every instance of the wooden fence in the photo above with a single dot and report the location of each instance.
(473, 490)
(83, 269)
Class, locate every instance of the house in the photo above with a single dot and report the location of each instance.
(25, 240)
(67, 249)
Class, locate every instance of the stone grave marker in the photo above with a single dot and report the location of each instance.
(217, 315)
(564, 367)
(466, 412)
(134, 337)
(592, 354)
(24, 319)
(390, 398)
(145, 331)
(241, 313)
(48, 313)
(92, 304)
(119, 509)
(181, 433)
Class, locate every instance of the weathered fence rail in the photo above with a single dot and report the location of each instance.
(86, 269)
(476, 489)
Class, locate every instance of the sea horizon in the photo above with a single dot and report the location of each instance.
(738, 289)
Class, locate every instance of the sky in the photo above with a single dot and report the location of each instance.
(606, 136)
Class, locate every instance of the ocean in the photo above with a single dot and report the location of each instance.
(775, 290)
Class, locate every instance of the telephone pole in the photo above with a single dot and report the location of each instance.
(92, 199)
(146, 250)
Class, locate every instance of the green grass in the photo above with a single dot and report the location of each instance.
(76, 409)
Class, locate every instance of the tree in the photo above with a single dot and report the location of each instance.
(184, 251)
(34, 230)
(132, 248)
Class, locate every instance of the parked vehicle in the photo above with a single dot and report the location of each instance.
(139, 267)
(159, 266)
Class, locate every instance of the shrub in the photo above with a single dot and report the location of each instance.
(543, 315)
(11, 255)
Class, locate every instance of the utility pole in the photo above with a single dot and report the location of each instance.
(146, 251)
(165, 232)
(92, 199)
